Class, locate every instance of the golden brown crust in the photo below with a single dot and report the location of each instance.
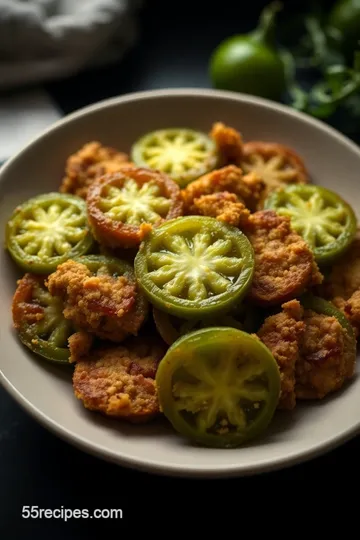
(342, 285)
(80, 344)
(103, 305)
(277, 165)
(223, 206)
(120, 381)
(282, 334)
(344, 278)
(116, 234)
(92, 161)
(327, 357)
(351, 310)
(315, 353)
(229, 143)
(284, 264)
(230, 179)
(24, 309)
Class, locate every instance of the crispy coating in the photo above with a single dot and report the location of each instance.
(119, 381)
(352, 311)
(344, 278)
(282, 334)
(342, 285)
(80, 344)
(92, 161)
(24, 309)
(224, 206)
(315, 354)
(327, 358)
(284, 264)
(277, 165)
(103, 305)
(133, 214)
(229, 143)
(229, 178)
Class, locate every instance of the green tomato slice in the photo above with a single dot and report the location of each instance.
(105, 265)
(184, 154)
(135, 205)
(171, 328)
(46, 230)
(195, 267)
(39, 321)
(325, 221)
(218, 387)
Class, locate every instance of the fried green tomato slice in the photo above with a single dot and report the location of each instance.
(39, 321)
(276, 164)
(123, 207)
(184, 154)
(195, 267)
(119, 381)
(218, 387)
(325, 221)
(171, 328)
(100, 296)
(47, 230)
(328, 350)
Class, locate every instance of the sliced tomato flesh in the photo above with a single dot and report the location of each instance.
(326, 222)
(218, 386)
(47, 230)
(195, 266)
(184, 154)
(39, 321)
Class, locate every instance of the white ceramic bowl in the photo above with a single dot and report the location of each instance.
(45, 391)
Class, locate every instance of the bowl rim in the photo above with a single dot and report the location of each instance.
(152, 465)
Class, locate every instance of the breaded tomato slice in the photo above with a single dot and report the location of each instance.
(277, 165)
(284, 263)
(248, 188)
(282, 334)
(327, 357)
(229, 143)
(224, 206)
(90, 162)
(119, 381)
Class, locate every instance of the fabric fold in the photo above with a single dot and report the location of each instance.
(41, 40)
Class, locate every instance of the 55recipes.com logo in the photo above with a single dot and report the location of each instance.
(34, 512)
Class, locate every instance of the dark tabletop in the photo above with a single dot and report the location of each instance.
(36, 468)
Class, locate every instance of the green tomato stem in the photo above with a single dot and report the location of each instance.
(265, 31)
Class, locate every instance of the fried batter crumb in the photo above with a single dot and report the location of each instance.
(352, 311)
(102, 304)
(229, 143)
(327, 357)
(284, 264)
(316, 355)
(224, 206)
(90, 162)
(80, 344)
(120, 381)
(230, 179)
(342, 286)
(282, 334)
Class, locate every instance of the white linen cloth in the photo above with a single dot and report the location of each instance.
(46, 39)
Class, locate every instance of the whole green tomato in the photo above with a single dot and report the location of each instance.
(250, 63)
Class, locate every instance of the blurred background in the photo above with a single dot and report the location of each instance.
(59, 55)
